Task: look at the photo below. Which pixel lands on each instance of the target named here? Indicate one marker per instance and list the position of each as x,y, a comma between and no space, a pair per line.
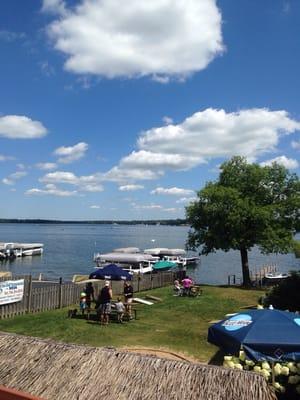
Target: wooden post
139,278
60,294
29,294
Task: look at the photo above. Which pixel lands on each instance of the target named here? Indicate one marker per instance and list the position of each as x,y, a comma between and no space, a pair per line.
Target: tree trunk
245,267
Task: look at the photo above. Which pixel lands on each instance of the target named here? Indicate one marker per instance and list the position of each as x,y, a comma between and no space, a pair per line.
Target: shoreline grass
177,324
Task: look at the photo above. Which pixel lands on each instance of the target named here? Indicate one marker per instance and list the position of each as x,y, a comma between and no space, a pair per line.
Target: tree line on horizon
172,222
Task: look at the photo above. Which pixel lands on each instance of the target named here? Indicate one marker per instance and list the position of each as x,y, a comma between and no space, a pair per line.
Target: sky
124,110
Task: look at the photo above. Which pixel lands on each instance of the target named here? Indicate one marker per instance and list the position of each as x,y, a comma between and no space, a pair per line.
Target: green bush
296,248
286,295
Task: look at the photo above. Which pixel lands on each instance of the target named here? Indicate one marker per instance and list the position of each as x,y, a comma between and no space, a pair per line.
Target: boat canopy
163,251
163,265
130,250
125,258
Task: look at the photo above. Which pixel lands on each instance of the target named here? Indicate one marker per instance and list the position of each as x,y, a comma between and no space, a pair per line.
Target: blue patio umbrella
271,335
111,272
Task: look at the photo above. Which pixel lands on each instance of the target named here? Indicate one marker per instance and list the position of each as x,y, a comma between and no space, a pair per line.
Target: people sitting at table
120,308
187,284
177,288
104,301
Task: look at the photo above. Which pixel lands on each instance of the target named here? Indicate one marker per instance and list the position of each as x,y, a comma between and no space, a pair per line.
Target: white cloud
21,127
72,153
288,163
10,36
12,178
51,190
95,207
128,188
203,136
186,200
174,191
150,160
54,7
215,133
158,38
167,120
6,158
147,207
121,174
296,145
46,166
171,209
89,183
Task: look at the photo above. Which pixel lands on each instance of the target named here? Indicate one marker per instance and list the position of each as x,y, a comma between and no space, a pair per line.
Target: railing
42,296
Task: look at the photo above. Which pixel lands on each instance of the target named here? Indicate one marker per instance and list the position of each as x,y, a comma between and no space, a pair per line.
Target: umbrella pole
273,373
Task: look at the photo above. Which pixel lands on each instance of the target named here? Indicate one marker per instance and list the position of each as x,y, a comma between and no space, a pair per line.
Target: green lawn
177,324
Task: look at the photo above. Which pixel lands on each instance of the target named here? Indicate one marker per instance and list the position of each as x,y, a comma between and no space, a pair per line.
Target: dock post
60,292
29,294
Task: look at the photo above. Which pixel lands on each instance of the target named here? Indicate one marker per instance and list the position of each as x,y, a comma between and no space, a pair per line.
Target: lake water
69,249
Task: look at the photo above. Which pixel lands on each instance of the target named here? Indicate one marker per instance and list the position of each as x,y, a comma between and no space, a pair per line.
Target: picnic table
113,314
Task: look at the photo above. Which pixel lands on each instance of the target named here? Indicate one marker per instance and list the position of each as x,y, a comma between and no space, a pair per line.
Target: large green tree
248,205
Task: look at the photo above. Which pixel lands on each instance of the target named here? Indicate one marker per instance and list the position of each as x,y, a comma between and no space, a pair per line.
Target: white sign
11,291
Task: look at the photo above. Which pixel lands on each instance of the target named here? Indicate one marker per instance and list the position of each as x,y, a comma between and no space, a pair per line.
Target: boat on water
273,278
276,275
174,255
132,262
12,250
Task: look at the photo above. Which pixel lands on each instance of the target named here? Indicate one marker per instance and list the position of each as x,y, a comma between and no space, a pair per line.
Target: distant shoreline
172,222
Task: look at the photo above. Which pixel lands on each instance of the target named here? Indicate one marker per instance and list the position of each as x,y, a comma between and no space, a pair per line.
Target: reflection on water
69,249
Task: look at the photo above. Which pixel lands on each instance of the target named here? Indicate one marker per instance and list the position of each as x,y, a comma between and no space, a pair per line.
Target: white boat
175,255
13,250
132,262
127,250
276,275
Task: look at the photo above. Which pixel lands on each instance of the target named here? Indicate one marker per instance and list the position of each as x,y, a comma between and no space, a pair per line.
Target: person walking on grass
128,296
104,301
120,310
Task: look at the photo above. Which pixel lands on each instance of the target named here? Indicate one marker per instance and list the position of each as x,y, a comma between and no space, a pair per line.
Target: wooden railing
42,296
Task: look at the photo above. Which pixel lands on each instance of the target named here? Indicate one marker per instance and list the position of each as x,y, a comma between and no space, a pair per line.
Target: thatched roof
60,371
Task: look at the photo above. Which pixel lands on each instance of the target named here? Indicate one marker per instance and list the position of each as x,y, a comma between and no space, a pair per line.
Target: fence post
139,278
151,278
60,293
29,294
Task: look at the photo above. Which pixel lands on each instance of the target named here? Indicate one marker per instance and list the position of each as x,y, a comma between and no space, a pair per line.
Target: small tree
248,205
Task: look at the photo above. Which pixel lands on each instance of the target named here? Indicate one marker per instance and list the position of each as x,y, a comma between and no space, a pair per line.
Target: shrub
286,379
286,295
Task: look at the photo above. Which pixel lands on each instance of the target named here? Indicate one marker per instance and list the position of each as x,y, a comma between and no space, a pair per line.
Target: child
120,310
177,288
82,302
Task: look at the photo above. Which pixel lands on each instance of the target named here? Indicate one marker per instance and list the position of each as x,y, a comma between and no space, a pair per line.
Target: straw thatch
54,370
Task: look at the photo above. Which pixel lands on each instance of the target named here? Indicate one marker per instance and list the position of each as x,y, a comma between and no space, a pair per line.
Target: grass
176,324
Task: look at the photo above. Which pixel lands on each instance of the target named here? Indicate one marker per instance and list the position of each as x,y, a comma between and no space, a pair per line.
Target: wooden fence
41,296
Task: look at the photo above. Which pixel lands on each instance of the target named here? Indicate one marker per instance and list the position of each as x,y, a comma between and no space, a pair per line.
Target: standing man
89,290
128,296
104,300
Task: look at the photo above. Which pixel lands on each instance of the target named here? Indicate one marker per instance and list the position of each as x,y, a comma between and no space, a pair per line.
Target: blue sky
113,112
